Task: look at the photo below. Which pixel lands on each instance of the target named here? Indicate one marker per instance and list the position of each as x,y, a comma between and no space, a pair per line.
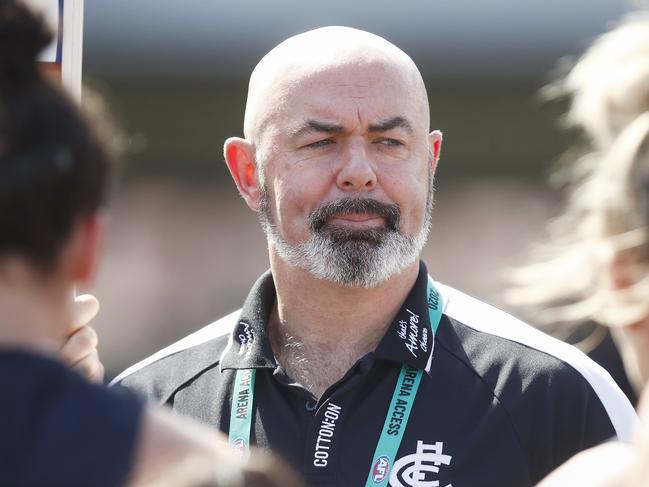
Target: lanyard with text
402,399
241,411
390,440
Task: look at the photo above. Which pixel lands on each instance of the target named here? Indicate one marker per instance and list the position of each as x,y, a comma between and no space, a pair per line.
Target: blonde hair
606,218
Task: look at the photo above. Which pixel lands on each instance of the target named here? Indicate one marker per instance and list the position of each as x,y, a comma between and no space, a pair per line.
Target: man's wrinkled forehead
342,63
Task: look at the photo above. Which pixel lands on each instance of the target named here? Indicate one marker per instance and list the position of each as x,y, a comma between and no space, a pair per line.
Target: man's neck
319,329
33,315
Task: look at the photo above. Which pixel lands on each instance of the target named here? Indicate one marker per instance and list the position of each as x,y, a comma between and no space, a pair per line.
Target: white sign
50,10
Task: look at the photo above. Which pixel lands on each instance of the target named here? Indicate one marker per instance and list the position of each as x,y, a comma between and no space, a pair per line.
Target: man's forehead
350,65
352,77
349,98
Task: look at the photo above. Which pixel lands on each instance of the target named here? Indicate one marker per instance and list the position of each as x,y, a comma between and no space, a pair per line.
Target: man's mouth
357,220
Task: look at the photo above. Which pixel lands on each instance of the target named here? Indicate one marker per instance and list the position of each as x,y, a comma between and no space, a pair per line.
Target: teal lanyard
241,411
403,398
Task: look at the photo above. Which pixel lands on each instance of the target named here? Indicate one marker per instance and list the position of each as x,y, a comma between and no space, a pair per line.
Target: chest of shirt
456,434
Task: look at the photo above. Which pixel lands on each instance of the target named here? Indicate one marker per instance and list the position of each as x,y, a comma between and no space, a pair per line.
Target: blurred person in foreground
564,287
347,359
596,265
56,427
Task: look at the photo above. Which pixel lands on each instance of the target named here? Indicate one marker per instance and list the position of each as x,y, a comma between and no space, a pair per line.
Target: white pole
72,46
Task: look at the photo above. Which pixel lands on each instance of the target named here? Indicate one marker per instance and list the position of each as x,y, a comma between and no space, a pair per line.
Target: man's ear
435,143
81,254
240,159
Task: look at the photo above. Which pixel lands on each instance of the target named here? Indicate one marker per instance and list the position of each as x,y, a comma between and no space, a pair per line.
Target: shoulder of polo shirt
531,374
159,376
514,372
159,381
550,393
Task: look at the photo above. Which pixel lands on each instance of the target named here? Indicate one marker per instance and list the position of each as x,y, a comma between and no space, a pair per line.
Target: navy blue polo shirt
59,430
499,404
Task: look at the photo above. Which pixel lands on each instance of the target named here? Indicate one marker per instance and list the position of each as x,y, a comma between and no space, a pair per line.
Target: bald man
347,358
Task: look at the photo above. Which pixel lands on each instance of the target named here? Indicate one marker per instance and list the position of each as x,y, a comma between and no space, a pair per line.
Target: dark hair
53,162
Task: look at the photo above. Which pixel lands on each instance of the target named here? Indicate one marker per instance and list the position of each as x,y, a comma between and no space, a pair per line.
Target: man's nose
356,172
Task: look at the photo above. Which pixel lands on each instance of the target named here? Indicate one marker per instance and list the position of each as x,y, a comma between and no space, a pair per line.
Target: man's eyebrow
312,126
389,124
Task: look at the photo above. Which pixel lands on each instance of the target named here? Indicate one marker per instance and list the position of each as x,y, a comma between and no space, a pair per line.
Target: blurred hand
80,350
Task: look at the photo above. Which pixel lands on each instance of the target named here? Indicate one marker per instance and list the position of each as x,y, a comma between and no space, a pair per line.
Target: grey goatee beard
351,257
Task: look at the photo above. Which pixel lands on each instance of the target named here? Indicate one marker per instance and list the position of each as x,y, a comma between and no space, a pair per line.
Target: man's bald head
305,56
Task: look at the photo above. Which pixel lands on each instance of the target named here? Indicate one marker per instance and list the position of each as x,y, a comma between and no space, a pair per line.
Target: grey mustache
347,206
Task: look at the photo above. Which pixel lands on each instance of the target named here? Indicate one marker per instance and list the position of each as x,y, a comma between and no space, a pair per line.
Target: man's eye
320,143
390,142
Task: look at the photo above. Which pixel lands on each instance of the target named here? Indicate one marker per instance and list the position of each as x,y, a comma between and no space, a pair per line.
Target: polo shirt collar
249,345
409,338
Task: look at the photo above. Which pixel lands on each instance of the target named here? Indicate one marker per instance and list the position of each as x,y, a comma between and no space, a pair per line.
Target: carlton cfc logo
380,469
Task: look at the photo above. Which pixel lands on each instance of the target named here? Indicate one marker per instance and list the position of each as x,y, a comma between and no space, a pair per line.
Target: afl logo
239,446
380,469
